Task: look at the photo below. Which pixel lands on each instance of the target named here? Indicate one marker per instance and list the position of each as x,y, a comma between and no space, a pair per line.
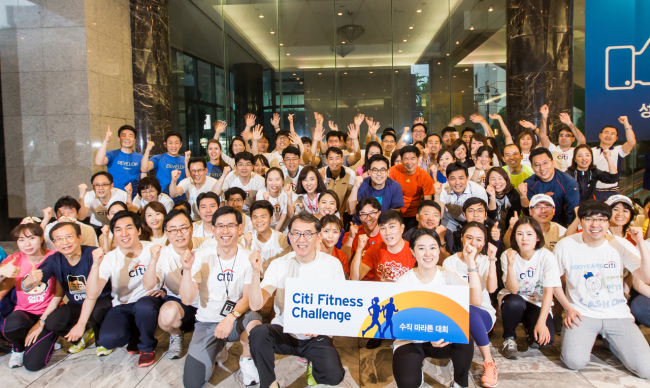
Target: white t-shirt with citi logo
125,274
255,184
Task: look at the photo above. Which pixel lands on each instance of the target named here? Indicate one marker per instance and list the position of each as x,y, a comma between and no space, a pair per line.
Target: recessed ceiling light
340,14
457,42
419,11
288,54
462,91
410,28
297,79
472,28
404,40
294,73
343,42
399,51
345,73
447,54
490,9
261,16
272,32
395,71
494,68
281,44
320,73
466,69
371,72
438,62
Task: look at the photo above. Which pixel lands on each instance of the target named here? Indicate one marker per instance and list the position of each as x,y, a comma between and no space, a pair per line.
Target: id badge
227,307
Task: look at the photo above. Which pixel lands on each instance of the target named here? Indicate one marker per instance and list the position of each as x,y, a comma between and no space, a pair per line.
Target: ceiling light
350,31
471,28
490,9
404,40
345,72
395,71
294,73
272,32
261,16
447,54
410,28
466,69
281,44
340,14
438,62
371,72
494,68
288,54
462,91
343,42
399,51
457,42
320,73
419,11
297,79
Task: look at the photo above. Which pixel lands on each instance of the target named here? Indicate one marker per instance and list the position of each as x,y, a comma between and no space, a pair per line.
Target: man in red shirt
369,210
416,183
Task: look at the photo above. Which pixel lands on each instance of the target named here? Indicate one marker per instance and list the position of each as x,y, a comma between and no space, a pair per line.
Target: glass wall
390,60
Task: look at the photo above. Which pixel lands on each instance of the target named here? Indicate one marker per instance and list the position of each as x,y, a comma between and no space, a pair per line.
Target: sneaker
175,346
81,345
303,360
510,348
16,359
250,376
132,348
490,376
222,357
102,351
310,376
146,359
57,346
532,344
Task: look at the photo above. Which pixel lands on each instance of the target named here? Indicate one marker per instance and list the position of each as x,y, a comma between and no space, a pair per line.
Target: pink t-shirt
34,301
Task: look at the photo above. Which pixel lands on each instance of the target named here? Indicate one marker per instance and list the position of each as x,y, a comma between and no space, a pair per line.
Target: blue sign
617,66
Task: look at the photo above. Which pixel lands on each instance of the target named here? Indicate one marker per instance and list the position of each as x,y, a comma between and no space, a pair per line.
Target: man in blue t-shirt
122,163
165,163
71,266
377,185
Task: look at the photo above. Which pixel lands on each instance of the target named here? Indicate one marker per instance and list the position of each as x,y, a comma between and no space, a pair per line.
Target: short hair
174,213
108,176
264,137
333,194
262,204
173,133
234,191
456,166
224,211
429,136
468,129
592,207
475,224
536,227
390,215
126,214
66,201
320,186
331,219
419,232
305,139
57,226
208,195
185,204
290,150
336,150
609,126
245,155
421,143
485,148
512,145
378,158
420,125
283,132
388,133
429,203
540,151
474,201
232,142
527,133
197,159
117,203
372,201
149,181
407,149
305,217
447,130
567,130
126,128
332,134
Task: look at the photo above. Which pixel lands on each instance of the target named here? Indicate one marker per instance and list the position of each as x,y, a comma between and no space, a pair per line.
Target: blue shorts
189,316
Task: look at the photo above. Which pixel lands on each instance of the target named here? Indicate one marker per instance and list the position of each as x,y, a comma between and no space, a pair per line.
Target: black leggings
407,362
65,317
515,310
15,329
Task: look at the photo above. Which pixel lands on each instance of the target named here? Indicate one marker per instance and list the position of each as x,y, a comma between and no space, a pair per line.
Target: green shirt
516,179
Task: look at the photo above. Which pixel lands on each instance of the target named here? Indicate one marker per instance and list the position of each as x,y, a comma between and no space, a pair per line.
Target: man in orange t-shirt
416,183
390,259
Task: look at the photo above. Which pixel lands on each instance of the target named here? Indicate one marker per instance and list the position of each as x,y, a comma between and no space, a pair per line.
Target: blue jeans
640,306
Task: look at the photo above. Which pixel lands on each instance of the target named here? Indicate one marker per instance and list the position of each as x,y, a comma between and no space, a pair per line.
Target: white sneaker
250,376
16,359
57,346
222,357
175,346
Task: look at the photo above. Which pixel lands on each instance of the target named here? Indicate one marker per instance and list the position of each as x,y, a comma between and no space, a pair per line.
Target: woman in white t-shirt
310,187
408,355
152,227
149,190
530,273
475,234
526,142
282,200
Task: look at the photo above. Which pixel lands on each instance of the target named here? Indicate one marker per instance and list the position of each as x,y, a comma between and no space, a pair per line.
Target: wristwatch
472,270
235,313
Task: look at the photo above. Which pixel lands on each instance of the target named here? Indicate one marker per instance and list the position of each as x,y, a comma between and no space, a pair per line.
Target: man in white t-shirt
542,209
592,264
219,277
608,136
455,192
243,177
292,167
271,243
235,198
266,340
207,203
563,152
97,201
133,319
197,183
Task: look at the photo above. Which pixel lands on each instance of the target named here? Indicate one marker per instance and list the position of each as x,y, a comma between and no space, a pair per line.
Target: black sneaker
510,348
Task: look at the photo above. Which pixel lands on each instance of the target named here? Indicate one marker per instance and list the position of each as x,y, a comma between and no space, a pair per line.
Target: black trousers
268,340
132,322
64,318
515,310
15,329
407,362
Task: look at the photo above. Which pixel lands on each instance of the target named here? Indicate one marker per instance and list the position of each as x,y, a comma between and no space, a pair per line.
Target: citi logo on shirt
137,271
175,166
227,276
128,164
609,264
563,157
527,273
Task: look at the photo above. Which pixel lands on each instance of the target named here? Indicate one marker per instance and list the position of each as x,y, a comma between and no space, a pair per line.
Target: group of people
536,230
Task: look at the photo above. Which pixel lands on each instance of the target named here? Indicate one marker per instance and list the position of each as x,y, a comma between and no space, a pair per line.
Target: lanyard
225,278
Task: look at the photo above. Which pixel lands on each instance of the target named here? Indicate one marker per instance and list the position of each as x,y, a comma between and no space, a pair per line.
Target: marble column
152,87
249,92
539,65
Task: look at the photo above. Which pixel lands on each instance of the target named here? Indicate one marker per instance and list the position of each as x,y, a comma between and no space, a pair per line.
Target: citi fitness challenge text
377,310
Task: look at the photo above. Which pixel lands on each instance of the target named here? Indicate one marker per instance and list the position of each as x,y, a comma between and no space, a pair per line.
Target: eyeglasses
150,191
564,135
244,165
291,160
69,237
543,207
420,132
182,229
236,200
101,185
389,141
297,235
475,211
594,220
378,170
197,171
363,216
223,227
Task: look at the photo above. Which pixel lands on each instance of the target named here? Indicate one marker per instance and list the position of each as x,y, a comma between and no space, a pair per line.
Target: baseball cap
537,198
614,199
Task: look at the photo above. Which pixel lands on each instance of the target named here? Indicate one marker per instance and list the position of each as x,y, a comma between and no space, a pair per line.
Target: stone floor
364,368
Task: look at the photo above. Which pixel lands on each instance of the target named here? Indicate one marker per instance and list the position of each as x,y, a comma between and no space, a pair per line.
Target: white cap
614,199
537,198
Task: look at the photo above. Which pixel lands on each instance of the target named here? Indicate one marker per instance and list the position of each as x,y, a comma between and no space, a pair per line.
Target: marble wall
66,75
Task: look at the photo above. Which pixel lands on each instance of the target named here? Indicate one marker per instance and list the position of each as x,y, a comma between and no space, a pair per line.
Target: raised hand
275,120
219,127
187,260
369,121
495,233
98,256
513,220
607,153
437,187
544,110
494,116
352,131
47,213
250,120
490,191
82,189
266,195
155,252
288,188
623,120
9,270
636,233
353,230
226,170
362,241
150,145
469,252
294,138
491,249
109,135
523,189
527,124
246,134
105,230
358,180
175,175
441,230
333,127
256,262
374,128
358,119
418,120
477,118
511,255
248,239
434,169
129,189
290,117
36,274
406,131
257,132
319,119
318,134
458,120
188,155
566,119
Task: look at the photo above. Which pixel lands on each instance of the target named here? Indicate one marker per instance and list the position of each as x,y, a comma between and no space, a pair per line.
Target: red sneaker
146,359
132,348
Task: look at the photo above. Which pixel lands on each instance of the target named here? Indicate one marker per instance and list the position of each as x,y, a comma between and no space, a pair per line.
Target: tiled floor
364,368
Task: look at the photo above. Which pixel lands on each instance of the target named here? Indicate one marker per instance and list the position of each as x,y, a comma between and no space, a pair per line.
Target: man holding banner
265,340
